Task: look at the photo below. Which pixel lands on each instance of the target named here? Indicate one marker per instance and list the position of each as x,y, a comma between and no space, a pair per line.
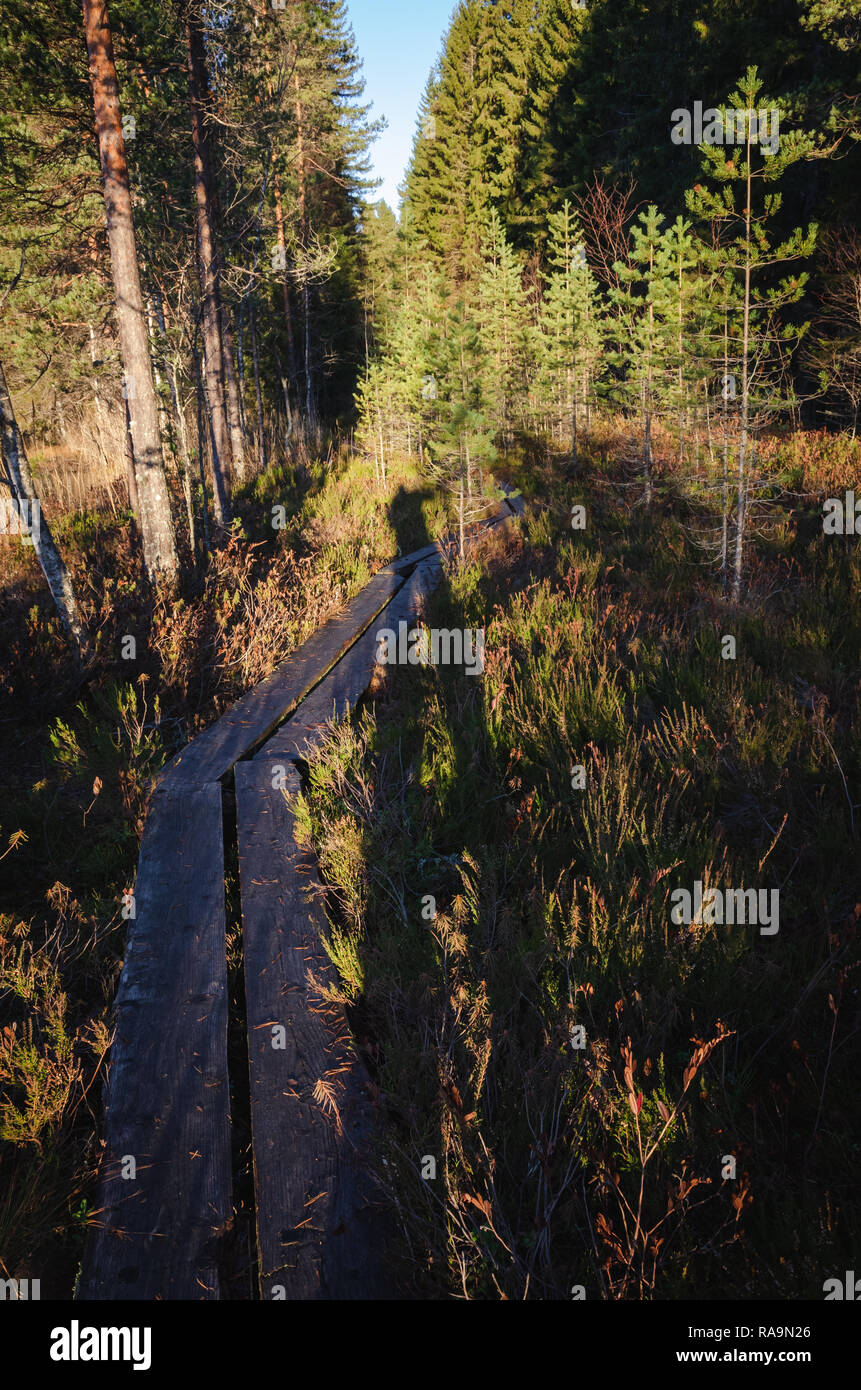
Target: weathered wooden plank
347,682
320,1233
210,756
509,506
168,1101
167,1105
414,558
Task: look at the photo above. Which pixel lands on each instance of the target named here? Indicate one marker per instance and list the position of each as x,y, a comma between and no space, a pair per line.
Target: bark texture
153,509
213,372
20,479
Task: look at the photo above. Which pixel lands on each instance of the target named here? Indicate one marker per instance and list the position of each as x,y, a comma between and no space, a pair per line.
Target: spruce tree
461,426
571,324
645,350
504,327
462,444
464,159
446,190
503,64
540,174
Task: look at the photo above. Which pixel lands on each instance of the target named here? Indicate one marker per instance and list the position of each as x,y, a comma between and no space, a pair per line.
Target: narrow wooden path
165,1200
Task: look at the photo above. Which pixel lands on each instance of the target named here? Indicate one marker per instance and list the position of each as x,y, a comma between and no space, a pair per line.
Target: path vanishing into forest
165,1208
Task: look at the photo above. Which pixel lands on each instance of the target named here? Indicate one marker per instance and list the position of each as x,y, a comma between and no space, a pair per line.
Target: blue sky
398,42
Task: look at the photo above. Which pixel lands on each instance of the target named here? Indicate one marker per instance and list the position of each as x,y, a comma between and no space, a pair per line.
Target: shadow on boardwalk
166,1196
407,517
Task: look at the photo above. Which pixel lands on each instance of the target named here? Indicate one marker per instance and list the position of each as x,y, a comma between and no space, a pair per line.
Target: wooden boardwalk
166,1189
166,1166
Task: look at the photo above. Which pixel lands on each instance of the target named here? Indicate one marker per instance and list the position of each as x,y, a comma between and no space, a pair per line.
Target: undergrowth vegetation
526,1158
578,1067
77,758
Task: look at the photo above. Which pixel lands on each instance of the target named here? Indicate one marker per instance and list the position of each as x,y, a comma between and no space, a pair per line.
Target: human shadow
423,852
408,519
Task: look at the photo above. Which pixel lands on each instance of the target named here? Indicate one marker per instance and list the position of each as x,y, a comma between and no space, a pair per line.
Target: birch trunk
20,480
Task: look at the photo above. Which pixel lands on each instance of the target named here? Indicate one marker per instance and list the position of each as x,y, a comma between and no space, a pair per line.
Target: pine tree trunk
180,427
310,408
258,396
198,86
240,367
285,283
153,507
285,387
131,473
20,479
647,402
201,449
741,495
681,374
647,455
234,412
182,430
177,417
724,552
163,422
100,434
382,450
709,438
574,456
